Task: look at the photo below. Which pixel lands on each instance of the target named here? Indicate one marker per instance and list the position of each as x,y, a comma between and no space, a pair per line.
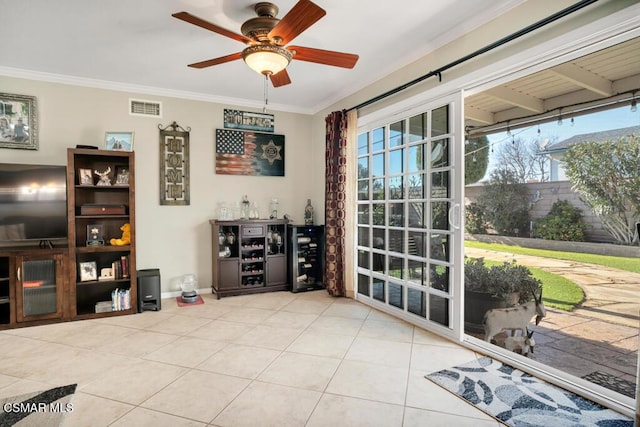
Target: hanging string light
560,117
634,104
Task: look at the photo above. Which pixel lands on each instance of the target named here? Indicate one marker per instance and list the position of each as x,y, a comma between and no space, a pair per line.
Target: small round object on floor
189,299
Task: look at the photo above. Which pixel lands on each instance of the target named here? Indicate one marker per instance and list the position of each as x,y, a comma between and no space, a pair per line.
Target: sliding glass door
409,230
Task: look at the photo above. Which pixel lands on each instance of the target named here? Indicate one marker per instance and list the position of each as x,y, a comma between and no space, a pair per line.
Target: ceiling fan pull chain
266,93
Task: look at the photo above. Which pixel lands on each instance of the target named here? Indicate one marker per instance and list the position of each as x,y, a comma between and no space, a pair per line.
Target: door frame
597,35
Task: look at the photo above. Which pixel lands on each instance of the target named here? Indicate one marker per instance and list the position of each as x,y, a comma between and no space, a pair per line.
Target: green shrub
474,219
563,222
507,203
500,280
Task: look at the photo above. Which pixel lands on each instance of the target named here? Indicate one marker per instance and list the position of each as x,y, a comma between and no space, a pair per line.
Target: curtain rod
558,15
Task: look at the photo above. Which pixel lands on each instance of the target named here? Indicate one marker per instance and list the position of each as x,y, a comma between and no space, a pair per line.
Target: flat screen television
33,202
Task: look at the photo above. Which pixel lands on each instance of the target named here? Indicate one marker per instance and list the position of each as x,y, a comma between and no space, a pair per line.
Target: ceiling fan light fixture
266,59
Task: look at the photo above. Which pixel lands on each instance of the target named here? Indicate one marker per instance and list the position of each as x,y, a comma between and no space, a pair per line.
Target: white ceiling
136,45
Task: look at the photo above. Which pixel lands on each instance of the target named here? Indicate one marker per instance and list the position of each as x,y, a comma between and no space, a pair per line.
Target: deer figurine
521,345
514,318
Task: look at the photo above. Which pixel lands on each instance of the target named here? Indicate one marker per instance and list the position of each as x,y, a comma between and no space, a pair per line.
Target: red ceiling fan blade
187,17
216,61
303,15
280,79
326,57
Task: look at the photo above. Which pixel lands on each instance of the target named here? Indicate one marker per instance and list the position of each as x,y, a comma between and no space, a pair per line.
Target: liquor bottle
246,208
308,213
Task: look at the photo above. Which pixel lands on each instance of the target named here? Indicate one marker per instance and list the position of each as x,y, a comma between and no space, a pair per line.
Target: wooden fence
542,195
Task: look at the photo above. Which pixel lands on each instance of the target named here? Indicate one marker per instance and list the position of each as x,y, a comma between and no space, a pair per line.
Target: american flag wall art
249,153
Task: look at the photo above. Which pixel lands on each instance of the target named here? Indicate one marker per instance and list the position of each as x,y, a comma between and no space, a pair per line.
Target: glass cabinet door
39,291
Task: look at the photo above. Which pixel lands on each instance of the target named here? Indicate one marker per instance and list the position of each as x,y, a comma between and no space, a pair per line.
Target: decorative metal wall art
235,119
174,165
249,153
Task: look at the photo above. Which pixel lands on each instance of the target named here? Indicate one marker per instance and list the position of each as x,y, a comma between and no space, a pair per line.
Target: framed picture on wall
118,141
18,121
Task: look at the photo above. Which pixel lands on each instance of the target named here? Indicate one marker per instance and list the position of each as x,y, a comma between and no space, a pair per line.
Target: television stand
46,244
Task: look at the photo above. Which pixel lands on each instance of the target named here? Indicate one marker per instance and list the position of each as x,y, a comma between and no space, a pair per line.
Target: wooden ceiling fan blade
326,57
216,61
303,15
280,79
192,19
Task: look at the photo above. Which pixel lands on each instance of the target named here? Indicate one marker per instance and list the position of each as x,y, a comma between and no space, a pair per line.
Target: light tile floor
276,359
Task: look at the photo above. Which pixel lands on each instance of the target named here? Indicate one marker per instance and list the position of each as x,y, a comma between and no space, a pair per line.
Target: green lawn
557,291
621,263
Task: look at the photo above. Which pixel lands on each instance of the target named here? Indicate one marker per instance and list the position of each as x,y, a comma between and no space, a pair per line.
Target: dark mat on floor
612,382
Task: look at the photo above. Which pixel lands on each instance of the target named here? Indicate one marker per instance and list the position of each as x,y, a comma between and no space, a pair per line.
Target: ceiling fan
266,37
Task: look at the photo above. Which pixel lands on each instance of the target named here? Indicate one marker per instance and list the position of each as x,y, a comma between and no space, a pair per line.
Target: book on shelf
121,268
124,263
120,299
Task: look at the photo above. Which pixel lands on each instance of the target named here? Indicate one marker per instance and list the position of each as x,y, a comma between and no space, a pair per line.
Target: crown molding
141,89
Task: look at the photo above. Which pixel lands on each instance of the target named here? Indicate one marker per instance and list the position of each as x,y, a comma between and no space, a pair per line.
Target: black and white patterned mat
45,408
518,399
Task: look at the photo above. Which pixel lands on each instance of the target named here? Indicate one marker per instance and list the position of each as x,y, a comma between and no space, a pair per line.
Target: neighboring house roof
605,135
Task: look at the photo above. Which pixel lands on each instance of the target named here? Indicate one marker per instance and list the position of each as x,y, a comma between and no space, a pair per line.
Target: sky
604,120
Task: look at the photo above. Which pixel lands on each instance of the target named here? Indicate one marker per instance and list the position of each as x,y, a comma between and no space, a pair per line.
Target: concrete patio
597,341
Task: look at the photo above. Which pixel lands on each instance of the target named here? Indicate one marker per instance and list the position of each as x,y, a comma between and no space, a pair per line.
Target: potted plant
495,286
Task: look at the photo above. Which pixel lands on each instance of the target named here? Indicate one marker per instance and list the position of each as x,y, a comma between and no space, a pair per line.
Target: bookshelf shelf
105,260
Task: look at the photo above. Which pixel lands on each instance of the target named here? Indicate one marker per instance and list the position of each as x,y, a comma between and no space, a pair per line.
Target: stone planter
476,304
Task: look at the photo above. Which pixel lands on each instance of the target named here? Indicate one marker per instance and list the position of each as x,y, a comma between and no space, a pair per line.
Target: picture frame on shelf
94,235
85,177
88,271
118,141
18,121
122,175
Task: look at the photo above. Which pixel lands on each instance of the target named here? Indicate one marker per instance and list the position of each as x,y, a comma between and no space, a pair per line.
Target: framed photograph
122,175
119,141
85,177
18,121
94,235
88,271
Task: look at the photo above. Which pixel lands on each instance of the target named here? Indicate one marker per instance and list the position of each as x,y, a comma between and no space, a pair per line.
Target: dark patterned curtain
334,205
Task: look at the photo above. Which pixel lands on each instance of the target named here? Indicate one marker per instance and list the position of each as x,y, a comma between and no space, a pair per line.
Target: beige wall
175,239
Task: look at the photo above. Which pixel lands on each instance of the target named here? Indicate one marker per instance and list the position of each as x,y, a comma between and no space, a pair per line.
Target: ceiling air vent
139,107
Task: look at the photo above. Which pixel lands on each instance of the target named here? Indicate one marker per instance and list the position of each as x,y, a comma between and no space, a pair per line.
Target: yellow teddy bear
126,236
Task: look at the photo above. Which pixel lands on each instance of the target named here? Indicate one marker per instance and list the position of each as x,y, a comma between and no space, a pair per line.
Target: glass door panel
412,236
40,284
